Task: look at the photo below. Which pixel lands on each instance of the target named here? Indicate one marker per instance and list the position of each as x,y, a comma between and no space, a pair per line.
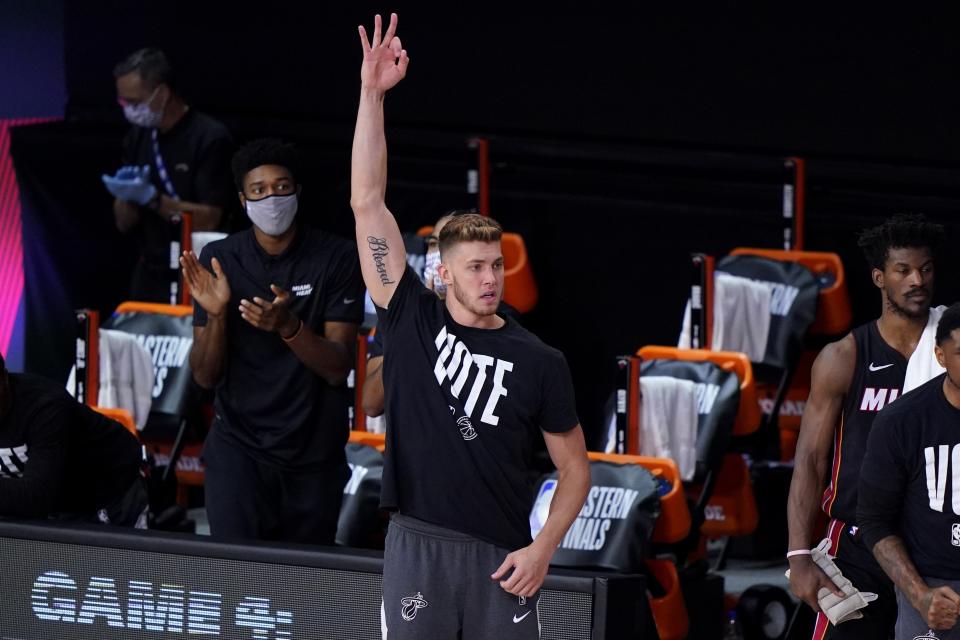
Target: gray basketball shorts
910,624
437,586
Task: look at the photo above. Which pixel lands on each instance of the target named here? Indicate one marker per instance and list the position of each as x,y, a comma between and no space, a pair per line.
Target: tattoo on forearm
380,251
893,558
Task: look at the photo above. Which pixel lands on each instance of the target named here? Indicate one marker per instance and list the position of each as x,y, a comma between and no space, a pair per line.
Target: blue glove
131,184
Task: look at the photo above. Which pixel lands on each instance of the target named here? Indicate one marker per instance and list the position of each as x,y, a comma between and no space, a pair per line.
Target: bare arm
330,356
373,388
382,256
937,606
125,214
530,564
569,454
206,217
209,352
830,380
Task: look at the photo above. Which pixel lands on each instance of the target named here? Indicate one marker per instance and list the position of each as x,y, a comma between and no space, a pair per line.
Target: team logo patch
301,290
466,428
410,606
927,636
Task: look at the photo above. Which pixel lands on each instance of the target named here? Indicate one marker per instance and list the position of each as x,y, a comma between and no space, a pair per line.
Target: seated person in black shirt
61,459
175,159
276,312
909,506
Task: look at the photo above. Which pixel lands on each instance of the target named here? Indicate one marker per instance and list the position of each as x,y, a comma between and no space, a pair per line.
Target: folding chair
671,527
167,331
833,318
720,493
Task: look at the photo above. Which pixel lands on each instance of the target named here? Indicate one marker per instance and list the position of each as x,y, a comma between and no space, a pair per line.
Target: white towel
200,239
669,421
377,424
741,316
126,375
923,365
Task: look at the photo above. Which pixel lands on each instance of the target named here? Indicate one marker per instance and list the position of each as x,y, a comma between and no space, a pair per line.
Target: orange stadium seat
189,466
833,305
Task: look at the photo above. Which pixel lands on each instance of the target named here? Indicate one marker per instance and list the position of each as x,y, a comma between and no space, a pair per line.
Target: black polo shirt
269,401
196,153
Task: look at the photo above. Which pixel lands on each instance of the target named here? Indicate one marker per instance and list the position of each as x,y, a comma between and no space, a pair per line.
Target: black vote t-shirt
196,152
58,456
474,480
268,400
910,479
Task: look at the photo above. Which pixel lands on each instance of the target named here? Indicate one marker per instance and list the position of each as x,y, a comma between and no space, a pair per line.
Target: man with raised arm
466,391
851,381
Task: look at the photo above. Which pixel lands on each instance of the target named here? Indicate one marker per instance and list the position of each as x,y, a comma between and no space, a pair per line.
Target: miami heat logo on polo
457,364
410,605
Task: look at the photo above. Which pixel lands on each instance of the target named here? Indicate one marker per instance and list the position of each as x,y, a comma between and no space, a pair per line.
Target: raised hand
210,290
271,316
384,59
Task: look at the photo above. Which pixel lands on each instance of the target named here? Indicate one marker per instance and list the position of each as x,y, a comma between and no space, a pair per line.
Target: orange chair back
833,306
748,412
673,524
375,440
178,310
669,611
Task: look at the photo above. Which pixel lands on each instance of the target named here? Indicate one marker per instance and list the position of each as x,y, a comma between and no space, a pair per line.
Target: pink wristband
799,552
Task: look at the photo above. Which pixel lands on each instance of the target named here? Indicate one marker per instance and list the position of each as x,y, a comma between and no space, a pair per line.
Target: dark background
621,141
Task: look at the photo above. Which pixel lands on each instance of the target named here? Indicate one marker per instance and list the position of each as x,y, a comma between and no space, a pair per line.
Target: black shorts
858,565
437,586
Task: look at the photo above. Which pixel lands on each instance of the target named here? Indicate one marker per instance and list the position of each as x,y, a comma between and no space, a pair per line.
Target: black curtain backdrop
620,142
869,84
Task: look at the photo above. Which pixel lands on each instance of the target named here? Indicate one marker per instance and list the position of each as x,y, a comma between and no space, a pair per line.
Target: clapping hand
210,290
272,315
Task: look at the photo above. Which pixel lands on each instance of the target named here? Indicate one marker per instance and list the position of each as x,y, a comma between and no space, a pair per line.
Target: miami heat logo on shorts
410,606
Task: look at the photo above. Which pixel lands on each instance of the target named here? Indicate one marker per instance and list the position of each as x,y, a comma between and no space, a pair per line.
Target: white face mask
142,115
431,271
274,214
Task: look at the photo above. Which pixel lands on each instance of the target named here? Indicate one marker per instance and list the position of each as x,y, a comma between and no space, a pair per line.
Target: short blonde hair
469,227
